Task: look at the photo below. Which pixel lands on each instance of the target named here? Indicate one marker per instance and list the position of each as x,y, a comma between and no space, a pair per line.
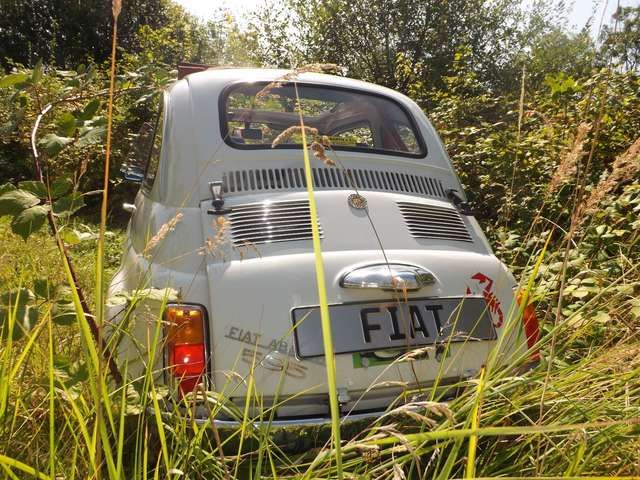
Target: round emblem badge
357,201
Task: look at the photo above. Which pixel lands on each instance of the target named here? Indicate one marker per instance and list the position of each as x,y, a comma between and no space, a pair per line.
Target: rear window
255,114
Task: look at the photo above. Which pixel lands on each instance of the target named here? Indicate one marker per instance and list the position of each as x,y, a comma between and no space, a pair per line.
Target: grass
590,394
577,414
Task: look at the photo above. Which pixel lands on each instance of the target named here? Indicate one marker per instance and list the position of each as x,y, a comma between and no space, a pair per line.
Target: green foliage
622,44
399,43
462,62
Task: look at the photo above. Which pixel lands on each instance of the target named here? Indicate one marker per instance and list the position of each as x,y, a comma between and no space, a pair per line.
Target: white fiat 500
222,218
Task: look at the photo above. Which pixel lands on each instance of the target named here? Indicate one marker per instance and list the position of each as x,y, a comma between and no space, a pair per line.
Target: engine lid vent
331,178
433,222
268,222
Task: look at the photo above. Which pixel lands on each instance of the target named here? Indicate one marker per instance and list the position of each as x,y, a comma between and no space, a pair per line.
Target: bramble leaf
66,125
29,220
68,204
44,288
89,111
63,313
53,144
12,79
17,302
38,70
61,187
15,201
91,135
7,187
39,189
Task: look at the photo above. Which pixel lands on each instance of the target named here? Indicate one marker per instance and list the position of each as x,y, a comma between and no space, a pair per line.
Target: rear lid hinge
217,199
462,206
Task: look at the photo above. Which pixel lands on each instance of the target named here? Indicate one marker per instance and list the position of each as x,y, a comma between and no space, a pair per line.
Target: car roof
217,78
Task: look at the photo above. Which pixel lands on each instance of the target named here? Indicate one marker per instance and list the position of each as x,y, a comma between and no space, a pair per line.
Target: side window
153,158
408,138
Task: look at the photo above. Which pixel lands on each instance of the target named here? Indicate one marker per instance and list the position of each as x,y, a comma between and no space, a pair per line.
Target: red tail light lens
531,327
187,360
186,356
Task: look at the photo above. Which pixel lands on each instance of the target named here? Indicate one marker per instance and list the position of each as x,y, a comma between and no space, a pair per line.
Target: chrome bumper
296,422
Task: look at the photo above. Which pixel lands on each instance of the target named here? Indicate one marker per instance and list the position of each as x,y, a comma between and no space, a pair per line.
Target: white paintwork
255,289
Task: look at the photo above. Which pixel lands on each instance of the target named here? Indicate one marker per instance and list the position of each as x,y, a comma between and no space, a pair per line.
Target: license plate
362,327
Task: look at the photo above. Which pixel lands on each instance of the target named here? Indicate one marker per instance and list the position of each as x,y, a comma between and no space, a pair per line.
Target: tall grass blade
322,299
473,439
15,464
52,397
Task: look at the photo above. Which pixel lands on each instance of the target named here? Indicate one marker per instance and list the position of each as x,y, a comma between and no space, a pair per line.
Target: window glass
153,154
256,114
408,136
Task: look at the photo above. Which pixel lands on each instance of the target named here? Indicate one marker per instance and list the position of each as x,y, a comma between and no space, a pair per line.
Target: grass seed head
625,167
569,164
212,245
328,68
164,230
320,153
291,131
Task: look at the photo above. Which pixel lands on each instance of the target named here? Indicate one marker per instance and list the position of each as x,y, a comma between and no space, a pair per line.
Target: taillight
531,327
186,349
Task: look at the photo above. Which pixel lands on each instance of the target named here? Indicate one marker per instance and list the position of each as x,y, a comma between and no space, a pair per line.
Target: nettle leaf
53,144
63,313
13,79
91,135
39,189
61,187
69,204
29,220
15,201
66,125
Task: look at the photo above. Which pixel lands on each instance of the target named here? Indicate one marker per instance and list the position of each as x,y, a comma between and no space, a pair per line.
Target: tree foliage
622,45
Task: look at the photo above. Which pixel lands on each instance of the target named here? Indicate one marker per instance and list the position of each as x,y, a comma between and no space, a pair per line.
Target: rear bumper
448,389
297,422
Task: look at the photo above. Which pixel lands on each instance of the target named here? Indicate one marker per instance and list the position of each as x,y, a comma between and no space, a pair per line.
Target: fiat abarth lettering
222,220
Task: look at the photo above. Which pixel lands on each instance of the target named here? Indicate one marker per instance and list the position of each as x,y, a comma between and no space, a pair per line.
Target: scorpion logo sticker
492,300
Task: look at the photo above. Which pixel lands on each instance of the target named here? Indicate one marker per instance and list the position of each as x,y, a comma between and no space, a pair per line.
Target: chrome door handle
129,207
393,276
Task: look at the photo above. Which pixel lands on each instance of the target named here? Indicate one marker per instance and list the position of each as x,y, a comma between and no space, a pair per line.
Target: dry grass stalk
211,245
330,68
411,410
417,353
289,132
398,473
165,229
624,168
319,152
569,164
116,7
369,453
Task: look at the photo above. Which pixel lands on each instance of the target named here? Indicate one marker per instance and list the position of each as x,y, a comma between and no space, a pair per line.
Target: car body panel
250,290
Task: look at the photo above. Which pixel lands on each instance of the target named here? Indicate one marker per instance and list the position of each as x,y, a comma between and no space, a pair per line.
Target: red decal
492,300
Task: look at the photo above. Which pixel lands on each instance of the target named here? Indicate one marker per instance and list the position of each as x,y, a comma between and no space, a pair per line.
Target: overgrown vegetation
543,126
